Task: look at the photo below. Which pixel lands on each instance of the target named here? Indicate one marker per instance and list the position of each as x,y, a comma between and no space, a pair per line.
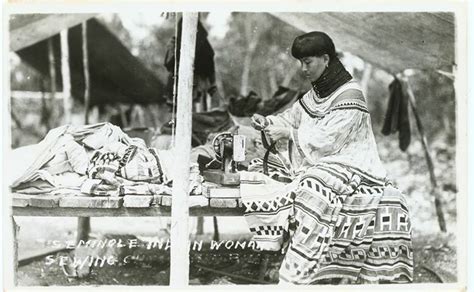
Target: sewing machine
230,150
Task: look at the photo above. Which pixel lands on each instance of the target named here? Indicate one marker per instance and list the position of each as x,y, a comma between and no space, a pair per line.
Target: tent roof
115,74
28,29
393,41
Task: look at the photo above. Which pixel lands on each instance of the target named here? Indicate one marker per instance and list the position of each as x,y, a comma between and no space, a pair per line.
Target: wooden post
52,75
84,223
175,79
66,76
179,266
85,62
429,160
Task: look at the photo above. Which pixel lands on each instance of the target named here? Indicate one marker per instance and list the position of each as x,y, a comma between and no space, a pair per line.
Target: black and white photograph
202,147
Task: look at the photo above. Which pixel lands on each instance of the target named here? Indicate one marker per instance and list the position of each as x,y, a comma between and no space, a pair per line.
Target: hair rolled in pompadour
313,44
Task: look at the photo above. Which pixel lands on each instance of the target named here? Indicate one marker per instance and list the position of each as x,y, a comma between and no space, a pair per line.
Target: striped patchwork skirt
332,222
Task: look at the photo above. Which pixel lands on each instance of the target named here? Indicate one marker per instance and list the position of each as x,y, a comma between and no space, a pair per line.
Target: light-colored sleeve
289,118
320,138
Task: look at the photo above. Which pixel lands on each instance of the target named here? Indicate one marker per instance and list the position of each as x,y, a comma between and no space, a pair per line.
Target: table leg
16,229
200,226
216,229
83,228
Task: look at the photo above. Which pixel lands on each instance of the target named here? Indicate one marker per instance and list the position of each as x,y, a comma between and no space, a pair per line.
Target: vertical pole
179,270
85,62
429,159
66,76
175,80
52,75
83,223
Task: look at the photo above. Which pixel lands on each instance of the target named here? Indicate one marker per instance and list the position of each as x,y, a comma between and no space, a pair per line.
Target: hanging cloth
396,116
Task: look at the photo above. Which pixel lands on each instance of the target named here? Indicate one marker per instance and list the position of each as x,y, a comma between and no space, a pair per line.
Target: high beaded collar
332,78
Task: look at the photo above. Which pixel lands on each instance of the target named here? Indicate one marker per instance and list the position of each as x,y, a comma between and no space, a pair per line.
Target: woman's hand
259,122
276,133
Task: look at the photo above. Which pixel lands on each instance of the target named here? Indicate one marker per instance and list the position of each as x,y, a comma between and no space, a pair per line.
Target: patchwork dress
344,218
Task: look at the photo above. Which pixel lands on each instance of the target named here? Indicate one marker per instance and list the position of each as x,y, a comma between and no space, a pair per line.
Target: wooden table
73,205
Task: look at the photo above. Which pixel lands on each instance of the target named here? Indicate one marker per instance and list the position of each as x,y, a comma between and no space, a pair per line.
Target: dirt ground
435,257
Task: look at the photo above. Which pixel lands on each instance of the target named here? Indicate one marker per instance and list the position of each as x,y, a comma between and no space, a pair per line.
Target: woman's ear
326,59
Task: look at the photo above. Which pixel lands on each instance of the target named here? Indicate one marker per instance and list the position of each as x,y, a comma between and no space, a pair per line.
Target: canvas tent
392,41
115,74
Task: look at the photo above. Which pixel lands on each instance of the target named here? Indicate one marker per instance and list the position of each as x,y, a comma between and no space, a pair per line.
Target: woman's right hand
259,122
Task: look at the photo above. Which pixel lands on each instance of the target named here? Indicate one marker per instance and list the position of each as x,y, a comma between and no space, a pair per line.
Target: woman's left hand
276,133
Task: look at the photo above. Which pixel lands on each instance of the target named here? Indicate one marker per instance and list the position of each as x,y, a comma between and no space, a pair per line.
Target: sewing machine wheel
217,143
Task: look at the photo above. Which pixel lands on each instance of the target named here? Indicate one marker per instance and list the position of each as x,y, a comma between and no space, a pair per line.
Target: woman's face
313,67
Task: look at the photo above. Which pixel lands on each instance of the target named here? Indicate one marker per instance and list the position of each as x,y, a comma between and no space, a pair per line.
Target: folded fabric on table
66,149
98,187
107,157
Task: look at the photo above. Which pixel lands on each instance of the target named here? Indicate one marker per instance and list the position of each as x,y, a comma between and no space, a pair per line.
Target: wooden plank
20,200
165,200
90,202
136,201
194,201
214,191
239,203
198,201
121,212
223,203
44,201
156,200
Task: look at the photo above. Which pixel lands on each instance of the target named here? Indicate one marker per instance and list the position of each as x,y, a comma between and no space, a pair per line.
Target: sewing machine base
219,177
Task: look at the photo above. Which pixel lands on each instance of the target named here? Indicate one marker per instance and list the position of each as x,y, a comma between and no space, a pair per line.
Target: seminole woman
346,218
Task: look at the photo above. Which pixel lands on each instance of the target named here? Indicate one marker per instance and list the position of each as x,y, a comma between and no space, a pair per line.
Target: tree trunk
179,261
252,45
85,62
52,75
364,83
45,108
66,76
289,76
272,82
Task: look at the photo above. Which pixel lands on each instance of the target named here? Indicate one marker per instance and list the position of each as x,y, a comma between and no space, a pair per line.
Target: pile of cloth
98,160
246,106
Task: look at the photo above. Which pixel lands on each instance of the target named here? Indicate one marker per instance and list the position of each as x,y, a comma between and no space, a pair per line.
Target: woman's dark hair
313,44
